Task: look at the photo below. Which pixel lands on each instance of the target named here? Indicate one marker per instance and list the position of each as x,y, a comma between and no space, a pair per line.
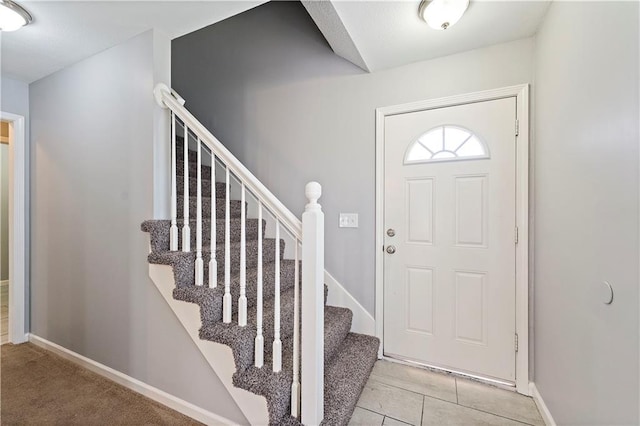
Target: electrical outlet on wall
348,220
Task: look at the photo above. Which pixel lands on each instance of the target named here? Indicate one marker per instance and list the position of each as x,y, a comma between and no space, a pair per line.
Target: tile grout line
456,381
397,420
417,393
496,415
371,411
422,412
384,416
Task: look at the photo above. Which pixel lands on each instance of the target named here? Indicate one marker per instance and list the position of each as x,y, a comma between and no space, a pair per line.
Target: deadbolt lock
391,232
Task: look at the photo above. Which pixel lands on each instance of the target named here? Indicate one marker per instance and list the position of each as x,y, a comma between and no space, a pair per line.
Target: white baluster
199,272
295,386
186,231
173,231
313,308
259,343
213,263
277,344
242,301
226,300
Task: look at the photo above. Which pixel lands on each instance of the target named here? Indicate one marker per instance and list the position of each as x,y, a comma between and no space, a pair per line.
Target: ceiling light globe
12,16
442,14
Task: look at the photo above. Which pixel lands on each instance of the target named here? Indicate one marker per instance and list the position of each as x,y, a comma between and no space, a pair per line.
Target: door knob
391,232
391,249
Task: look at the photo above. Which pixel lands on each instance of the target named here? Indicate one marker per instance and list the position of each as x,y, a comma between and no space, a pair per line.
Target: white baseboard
542,407
135,385
363,322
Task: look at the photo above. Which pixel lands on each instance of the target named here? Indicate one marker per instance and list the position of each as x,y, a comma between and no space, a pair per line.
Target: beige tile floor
399,395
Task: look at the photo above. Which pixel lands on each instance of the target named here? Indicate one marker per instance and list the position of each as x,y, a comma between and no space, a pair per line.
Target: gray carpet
349,357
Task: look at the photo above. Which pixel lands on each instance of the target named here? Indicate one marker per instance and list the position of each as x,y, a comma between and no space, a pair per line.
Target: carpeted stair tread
277,387
206,187
184,262
193,169
346,376
210,302
243,343
184,266
235,207
159,230
235,231
210,299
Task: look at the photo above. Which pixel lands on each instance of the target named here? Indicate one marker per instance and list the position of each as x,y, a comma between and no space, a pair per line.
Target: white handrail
282,213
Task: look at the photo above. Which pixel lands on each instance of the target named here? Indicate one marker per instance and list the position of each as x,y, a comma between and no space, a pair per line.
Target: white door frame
521,93
17,227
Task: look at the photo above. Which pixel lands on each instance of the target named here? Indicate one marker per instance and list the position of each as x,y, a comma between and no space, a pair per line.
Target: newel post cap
313,191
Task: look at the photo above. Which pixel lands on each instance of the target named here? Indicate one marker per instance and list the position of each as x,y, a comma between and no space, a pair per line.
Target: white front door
450,216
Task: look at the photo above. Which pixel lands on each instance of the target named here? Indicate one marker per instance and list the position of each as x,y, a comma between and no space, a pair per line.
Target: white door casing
18,307
455,293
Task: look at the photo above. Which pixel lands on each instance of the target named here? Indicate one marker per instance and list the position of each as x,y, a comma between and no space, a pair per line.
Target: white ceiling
372,34
389,33
65,32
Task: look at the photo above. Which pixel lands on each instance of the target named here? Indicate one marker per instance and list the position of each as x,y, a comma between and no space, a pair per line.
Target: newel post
312,380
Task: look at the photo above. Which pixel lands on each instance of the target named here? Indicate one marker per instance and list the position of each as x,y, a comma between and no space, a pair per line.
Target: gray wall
92,179
14,98
586,209
269,87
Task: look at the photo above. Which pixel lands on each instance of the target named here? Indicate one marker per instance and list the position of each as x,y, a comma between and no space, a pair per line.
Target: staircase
265,295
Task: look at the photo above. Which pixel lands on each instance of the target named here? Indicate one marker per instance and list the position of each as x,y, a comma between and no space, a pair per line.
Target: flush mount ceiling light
13,16
442,14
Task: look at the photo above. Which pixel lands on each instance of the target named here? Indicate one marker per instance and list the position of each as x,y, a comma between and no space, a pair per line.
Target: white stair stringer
219,356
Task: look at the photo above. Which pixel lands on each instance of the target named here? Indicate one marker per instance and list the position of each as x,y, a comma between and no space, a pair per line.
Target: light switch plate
348,220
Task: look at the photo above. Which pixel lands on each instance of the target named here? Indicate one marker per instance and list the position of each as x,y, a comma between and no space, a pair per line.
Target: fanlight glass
446,143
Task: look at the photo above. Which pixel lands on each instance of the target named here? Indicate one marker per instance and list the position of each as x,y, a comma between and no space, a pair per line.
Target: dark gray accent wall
92,135
266,83
586,209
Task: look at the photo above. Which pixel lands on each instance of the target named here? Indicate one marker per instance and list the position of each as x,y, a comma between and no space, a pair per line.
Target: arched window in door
446,143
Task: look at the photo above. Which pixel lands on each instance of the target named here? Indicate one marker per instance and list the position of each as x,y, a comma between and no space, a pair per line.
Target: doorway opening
4,231
13,252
